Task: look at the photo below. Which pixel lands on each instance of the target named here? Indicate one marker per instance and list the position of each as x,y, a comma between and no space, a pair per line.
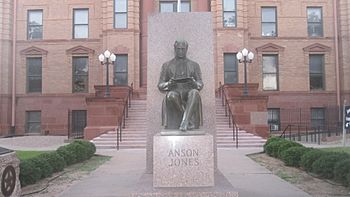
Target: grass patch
29,154
337,149
285,176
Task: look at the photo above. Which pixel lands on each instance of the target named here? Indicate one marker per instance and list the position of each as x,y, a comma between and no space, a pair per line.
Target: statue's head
180,48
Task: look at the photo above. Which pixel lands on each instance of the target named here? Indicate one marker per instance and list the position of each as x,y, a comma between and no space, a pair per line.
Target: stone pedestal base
250,112
103,115
222,188
183,161
9,175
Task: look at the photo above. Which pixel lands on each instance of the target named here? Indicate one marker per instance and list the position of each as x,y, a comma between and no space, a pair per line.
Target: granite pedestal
9,174
183,161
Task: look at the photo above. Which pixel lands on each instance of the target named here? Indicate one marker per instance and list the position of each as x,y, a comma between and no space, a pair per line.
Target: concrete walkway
120,175
33,142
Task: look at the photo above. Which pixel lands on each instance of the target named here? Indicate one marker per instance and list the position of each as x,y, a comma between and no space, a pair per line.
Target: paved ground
33,142
120,175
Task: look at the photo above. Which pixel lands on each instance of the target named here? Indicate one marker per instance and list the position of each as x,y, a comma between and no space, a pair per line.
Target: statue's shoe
183,126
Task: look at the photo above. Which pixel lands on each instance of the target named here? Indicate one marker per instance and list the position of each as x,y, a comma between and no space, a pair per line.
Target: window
78,122
33,122
230,68
314,22
34,74
270,72
80,74
121,70
81,23
35,24
229,13
274,119
317,118
120,14
268,21
316,72
171,6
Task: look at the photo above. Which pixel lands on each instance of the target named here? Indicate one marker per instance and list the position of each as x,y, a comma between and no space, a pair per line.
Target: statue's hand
170,83
197,84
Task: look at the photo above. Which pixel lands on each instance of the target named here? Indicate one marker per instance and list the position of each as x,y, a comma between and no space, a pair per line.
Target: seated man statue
181,79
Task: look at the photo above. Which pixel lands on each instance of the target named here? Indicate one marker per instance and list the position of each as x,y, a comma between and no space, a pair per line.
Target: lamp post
245,57
107,58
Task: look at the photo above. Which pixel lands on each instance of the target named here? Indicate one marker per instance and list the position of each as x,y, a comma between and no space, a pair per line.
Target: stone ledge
222,188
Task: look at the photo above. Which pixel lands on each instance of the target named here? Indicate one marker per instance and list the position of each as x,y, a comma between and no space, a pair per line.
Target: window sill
269,37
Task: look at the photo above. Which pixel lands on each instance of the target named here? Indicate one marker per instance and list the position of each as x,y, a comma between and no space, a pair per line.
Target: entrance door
78,123
33,122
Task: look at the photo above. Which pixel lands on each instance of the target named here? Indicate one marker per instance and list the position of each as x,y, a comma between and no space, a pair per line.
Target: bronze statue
181,79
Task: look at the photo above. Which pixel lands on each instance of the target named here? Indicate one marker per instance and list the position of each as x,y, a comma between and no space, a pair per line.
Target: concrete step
239,146
134,134
124,138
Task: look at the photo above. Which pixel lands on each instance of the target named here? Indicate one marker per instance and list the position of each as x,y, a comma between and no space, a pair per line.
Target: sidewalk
120,175
33,142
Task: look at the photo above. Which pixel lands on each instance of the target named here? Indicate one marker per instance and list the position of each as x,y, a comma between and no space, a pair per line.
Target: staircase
224,133
134,133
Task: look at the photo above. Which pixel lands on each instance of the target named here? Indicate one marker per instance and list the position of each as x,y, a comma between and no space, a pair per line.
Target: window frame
42,23
317,74
28,123
271,122
34,76
232,11
115,70
270,73
174,5
276,22
321,23
234,70
88,20
115,13
86,90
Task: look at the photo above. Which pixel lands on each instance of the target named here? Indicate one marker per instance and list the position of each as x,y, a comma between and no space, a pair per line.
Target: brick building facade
53,54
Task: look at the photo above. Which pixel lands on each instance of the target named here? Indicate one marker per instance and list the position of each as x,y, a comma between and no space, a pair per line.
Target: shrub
284,145
67,155
29,173
292,156
42,166
55,161
272,148
91,148
341,170
270,140
45,168
80,152
324,166
309,158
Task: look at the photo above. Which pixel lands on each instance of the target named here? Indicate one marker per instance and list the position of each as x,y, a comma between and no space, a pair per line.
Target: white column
178,5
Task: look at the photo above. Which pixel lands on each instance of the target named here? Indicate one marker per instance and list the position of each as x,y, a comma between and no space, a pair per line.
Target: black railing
125,114
308,133
228,112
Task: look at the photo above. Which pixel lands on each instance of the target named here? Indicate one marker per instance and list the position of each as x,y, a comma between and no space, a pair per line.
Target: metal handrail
284,131
228,112
312,134
125,114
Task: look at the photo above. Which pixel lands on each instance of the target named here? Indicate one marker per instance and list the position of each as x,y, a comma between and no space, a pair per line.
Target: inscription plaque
183,161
